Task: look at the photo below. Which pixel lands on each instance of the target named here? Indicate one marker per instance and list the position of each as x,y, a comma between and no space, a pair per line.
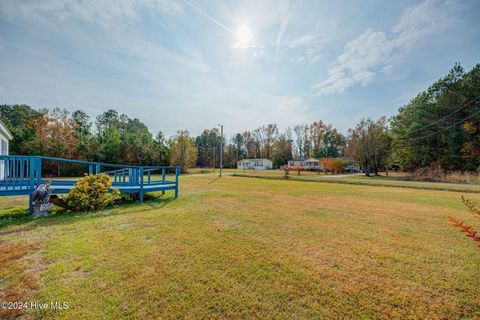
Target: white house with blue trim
5,137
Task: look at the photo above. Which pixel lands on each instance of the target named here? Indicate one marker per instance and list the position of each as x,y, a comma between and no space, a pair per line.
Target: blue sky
193,64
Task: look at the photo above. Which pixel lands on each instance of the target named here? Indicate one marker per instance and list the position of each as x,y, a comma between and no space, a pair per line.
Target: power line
441,130
445,117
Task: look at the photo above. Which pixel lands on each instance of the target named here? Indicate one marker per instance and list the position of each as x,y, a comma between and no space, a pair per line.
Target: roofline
5,130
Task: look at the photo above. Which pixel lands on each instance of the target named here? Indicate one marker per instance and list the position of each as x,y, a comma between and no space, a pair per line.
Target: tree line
313,140
116,138
441,126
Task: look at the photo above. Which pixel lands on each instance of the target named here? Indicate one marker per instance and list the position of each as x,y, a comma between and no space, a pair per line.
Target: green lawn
247,248
392,180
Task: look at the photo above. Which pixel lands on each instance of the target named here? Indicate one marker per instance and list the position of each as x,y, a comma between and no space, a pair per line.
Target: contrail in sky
208,16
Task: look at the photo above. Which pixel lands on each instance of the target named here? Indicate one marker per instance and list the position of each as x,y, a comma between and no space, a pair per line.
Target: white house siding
295,163
309,164
255,164
3,151
5,137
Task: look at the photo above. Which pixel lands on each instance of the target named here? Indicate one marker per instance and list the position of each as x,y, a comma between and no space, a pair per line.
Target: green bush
92,193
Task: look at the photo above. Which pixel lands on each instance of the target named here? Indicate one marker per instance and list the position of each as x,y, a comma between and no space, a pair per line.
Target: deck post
97,169
30,203
163,180
38,171
177,169
90,169
141,184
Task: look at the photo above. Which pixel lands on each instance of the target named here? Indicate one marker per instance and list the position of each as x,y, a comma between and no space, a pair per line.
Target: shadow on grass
61,216
15,217
214,180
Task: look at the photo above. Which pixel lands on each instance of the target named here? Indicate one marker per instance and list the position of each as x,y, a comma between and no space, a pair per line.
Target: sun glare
244,35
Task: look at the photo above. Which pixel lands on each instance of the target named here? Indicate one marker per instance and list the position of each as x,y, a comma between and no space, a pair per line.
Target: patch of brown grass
18,280
437,174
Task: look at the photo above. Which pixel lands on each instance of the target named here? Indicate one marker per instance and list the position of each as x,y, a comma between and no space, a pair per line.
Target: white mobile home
255,164
5,137
309,164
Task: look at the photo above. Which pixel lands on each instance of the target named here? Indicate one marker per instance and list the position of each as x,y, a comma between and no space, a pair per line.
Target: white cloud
283,16
107,13
375,52
283,10
306,48
302,41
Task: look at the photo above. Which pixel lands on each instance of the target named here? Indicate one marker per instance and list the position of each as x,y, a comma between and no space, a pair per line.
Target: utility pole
213,156
221,148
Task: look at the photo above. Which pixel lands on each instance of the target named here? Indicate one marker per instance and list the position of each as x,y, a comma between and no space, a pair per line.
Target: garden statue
41,200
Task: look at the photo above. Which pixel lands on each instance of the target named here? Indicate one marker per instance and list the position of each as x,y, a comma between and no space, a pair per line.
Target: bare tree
270,134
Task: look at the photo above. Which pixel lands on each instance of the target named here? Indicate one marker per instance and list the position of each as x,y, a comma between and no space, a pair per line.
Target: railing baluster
14,174
21,173
7,173
140,172
32,173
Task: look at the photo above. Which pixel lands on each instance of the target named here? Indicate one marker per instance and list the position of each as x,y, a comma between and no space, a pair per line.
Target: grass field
247,248
392,180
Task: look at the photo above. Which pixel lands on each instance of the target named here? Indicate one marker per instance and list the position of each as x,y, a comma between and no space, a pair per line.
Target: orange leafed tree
332,165
55,134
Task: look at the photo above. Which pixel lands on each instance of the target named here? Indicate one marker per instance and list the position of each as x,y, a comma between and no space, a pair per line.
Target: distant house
5,137
255,164
352,168
308,164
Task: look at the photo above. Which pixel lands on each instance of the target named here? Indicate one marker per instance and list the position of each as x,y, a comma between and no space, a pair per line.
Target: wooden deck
21,175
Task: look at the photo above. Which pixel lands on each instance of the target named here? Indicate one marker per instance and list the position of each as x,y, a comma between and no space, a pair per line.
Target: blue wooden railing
22,174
